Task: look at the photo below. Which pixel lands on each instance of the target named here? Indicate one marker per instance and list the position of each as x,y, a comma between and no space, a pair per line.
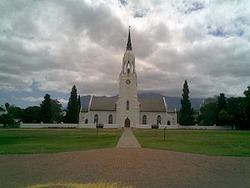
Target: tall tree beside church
79,105
56,109
247,107
73,107
208,113
223,116
222,101
46,109
32,114
186,111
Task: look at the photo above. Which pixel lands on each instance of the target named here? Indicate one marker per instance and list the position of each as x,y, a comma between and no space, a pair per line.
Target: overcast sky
48,46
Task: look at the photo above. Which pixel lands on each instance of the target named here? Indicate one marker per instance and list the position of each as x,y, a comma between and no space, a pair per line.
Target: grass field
31,141
224,143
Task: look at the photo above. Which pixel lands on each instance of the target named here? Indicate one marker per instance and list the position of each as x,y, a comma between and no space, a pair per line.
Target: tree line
219,110
49,111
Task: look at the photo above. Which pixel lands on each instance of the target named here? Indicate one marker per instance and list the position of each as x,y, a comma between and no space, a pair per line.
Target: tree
208,112
7,105
7,120
56,110
72,115
15,111
247,106
222,110
186,112
235,108
32,114
46,110
225,118
222,101
79,106
13,116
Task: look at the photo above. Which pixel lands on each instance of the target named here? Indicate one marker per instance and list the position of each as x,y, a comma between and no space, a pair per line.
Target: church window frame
127,105
96,118
158,120
144,119
86,121
110,119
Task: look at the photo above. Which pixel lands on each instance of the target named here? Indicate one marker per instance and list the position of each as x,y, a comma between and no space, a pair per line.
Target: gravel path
135,167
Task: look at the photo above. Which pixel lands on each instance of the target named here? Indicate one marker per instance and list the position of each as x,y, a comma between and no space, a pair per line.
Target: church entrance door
127,123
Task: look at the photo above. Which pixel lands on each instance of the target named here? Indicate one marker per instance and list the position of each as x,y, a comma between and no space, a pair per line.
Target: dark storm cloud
139,13
124,2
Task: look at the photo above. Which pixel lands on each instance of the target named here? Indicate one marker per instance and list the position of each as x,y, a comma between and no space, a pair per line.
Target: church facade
127,109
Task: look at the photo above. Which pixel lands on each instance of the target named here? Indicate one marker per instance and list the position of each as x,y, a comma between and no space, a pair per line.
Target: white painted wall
152,118
102,117
173,114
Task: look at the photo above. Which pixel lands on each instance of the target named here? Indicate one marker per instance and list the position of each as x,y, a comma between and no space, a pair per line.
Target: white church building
127,109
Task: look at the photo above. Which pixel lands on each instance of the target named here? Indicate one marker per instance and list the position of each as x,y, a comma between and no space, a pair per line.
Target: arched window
168,123
128,67
110,119
158,120
96,118
144,119
86,121
127,105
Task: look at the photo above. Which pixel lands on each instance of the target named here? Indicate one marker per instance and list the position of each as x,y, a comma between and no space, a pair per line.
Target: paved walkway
131,167
128,140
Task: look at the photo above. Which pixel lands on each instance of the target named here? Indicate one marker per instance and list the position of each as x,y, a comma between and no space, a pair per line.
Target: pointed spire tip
129,43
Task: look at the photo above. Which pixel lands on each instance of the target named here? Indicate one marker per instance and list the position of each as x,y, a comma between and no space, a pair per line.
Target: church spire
129,44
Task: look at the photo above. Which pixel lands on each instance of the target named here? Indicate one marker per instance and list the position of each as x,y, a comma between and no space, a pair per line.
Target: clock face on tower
128,81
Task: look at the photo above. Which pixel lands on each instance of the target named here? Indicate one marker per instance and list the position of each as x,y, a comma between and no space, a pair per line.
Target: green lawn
31,141
224,143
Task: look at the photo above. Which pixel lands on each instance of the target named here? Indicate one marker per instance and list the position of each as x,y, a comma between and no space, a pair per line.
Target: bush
8,121
155,126
99,126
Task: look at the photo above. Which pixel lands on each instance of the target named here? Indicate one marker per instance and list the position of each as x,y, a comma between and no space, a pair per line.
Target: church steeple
129,43
128,65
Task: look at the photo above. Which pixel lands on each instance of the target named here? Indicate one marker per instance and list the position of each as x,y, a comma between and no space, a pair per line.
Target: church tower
127,103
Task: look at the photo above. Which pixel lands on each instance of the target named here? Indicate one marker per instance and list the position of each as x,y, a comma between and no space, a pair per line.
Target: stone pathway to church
128,140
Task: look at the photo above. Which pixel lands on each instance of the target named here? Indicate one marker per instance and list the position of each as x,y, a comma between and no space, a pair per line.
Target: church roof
152,105
103,104
109,104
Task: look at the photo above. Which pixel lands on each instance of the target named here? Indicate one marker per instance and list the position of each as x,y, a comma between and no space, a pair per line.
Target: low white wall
143,126
215,127
114,126
110,126
87,126
47,125
64,125
31,126
169,126
186,127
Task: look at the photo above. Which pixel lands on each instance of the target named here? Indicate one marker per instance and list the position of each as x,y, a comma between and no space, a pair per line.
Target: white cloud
32,99
57,44
63,101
